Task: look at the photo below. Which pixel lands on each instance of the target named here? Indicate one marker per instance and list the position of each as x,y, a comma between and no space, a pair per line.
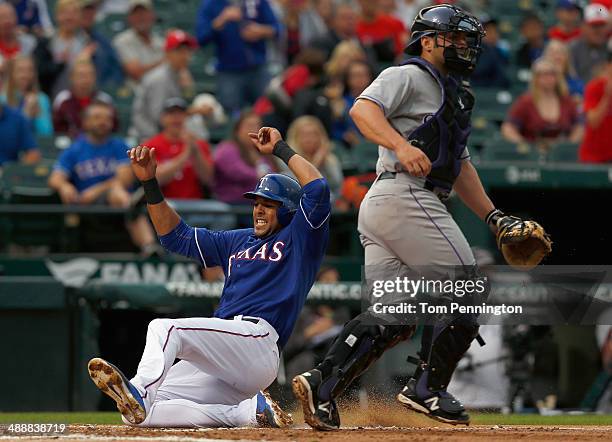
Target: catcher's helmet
281,188
442,19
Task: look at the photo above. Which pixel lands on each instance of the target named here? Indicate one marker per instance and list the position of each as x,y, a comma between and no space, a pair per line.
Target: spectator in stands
18,142
532,30
205,113
240,31
33,16
589,51
597,144
96,169
104,57
293,20
358,76
238,165
276,107
69,104
493,61
546,114
55,56
170,79
558,52
407,10
309,139
23,93
383,34
322,97
344,54
185,168
343,27
140,49
12,40
184,162
316,20
568,14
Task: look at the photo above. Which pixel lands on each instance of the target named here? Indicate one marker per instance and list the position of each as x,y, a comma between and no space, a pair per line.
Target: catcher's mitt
524,243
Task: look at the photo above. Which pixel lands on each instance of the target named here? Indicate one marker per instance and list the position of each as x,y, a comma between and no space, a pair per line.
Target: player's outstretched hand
414,160
265,139
143,162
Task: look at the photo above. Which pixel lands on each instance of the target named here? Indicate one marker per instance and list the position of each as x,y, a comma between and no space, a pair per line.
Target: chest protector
444,134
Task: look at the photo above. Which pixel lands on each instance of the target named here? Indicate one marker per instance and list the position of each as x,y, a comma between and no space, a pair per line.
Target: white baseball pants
223,365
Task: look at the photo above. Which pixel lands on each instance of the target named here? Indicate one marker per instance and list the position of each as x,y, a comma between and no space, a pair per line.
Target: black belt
440,193
256,321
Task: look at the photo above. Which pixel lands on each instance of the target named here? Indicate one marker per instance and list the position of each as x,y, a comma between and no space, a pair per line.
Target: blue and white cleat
114,384
269,414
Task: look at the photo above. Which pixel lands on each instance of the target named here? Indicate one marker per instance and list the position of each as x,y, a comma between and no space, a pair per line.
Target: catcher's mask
281,188
440,21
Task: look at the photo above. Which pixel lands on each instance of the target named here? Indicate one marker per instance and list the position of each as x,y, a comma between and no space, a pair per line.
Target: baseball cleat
442,407
269,414
322,416
114,384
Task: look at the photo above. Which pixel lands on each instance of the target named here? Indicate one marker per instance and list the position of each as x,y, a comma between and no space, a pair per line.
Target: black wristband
283,151
493,216
153,194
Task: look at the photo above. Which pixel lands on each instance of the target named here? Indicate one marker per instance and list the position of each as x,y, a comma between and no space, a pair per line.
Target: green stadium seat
27,184
499,149
346,159
565,152
365,156
492,104
48,147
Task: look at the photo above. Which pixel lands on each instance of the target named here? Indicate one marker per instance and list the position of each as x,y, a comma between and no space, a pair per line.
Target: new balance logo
432,403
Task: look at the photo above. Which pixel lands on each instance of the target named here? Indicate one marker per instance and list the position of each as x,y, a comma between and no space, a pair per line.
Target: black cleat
442,406
322,416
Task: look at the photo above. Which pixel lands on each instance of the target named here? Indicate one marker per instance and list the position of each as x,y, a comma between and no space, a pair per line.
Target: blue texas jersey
265,277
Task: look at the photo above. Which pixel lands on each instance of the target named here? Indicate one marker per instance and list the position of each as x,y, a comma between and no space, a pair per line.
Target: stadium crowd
194,93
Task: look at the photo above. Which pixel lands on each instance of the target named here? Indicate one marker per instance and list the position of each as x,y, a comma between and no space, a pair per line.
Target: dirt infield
380,423
367,434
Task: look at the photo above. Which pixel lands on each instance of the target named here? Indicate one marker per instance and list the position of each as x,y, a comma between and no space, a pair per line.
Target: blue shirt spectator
235,51
239,31
105,59
28,15
87,164
491,68
16,136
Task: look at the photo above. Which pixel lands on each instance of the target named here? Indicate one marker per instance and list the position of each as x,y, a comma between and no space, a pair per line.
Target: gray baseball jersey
401,223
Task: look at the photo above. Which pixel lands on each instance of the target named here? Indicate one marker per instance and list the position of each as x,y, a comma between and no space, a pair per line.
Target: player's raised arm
144,166
315,203
269,141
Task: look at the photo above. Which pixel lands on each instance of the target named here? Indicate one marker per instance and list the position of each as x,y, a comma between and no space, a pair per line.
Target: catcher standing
419,114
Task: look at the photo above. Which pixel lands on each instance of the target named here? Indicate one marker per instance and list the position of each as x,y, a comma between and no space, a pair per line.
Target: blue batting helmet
281,188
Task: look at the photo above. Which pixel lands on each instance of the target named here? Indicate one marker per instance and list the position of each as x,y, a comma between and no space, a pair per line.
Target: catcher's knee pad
443,346
354,350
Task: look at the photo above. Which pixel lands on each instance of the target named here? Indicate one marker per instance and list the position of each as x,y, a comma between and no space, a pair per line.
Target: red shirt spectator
596,145
556,33
185,163
567,28
525,115
185,184
69,104
547,113
385,33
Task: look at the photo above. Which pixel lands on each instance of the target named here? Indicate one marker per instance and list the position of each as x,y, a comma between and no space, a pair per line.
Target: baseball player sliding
419,115
225,361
